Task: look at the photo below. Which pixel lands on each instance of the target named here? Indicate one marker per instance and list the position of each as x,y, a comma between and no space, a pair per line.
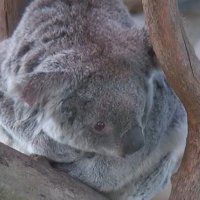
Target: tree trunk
182,68
10,13
186,183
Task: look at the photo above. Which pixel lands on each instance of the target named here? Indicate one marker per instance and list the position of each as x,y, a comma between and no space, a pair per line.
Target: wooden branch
182,68
174,52
23,178
10,12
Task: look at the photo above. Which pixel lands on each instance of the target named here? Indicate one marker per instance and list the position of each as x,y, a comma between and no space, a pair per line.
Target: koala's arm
46,146
19,130
27,138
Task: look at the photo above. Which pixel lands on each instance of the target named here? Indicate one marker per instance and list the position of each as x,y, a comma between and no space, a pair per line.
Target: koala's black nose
132,141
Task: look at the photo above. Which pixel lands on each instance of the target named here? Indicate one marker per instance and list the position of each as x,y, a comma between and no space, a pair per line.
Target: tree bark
25,178
182,68
10,13
186,183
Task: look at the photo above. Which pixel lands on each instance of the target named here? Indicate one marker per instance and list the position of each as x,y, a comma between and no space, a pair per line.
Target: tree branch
182,68
174,52
23,178
10,13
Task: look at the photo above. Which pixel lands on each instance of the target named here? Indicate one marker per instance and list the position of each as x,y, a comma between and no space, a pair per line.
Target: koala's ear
43,87
55,77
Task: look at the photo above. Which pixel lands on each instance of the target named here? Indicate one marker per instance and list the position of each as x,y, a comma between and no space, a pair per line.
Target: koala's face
103,116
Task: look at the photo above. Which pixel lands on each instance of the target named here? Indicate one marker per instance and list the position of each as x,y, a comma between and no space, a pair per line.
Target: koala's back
45,28
97,28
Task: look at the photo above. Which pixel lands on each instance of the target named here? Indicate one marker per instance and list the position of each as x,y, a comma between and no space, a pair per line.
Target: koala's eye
99,126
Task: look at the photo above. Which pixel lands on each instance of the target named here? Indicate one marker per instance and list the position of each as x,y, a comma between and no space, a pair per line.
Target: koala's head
103,113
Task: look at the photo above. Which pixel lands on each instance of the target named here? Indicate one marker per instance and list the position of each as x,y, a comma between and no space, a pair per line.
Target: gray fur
72,63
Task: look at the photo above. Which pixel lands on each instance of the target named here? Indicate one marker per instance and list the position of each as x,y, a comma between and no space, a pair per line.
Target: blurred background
190,10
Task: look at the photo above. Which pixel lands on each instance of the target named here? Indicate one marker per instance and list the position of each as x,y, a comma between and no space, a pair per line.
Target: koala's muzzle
132,141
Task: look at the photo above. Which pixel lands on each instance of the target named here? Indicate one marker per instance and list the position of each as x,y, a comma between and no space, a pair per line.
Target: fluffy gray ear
44,86
58,75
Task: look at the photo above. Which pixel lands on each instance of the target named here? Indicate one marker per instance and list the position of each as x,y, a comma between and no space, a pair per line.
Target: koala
81,86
